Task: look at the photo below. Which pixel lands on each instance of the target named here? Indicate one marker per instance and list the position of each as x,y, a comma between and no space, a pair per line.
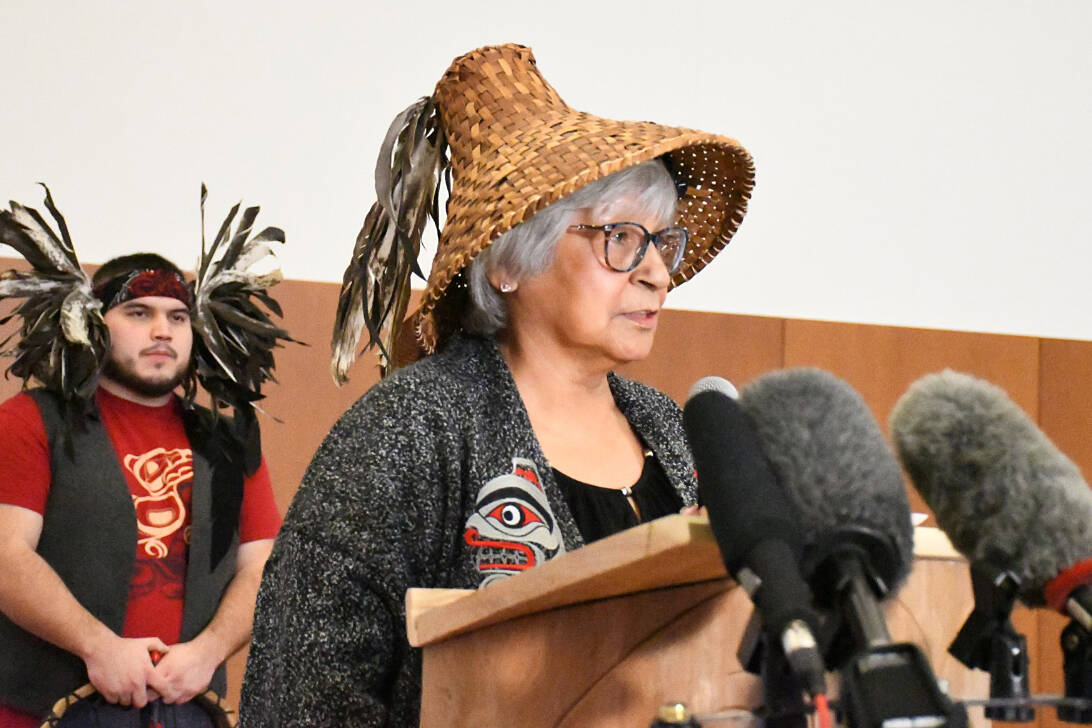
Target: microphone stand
988,641
883,683
782,691
1077,657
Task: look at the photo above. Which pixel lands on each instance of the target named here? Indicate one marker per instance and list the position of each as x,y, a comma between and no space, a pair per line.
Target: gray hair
528,249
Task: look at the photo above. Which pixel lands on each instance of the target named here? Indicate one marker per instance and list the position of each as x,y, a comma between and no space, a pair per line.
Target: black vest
89,535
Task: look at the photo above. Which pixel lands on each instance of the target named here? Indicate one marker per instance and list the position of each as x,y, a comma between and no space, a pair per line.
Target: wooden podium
606,634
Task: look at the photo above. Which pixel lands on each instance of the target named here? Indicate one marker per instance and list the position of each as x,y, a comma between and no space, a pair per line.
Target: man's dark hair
125,264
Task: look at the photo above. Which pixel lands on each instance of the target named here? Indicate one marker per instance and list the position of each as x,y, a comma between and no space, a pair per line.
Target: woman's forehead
626,208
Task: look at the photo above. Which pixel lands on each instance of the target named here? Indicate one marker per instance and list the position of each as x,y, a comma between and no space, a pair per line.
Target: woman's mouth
644,317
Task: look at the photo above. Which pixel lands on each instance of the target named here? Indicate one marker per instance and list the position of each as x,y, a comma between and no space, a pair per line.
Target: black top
600,512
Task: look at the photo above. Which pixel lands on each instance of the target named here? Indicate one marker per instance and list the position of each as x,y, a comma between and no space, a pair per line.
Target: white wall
924,163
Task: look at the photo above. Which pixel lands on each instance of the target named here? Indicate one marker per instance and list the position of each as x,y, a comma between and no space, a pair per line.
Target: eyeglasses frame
650,238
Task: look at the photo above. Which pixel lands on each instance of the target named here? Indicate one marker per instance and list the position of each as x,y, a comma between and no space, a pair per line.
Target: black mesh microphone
753,522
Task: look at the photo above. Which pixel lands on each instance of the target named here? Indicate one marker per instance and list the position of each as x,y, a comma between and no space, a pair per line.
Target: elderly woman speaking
511,441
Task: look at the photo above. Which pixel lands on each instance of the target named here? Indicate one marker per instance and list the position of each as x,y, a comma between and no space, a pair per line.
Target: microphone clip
988,641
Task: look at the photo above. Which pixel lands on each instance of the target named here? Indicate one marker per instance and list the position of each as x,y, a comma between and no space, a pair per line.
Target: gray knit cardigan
433,478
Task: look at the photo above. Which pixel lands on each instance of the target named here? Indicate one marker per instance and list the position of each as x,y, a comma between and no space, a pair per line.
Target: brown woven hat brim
516,148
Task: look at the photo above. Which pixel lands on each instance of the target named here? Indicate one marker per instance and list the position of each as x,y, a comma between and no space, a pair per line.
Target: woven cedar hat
515,148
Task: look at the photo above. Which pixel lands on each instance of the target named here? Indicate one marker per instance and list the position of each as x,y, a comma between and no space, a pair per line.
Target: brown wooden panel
1065,407
692,344
881,362
305,399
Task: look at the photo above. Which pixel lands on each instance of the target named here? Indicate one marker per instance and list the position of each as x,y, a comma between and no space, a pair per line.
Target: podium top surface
669,551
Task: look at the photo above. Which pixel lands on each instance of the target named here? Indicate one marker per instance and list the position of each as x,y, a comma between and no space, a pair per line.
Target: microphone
753,523
830,455
1001,490
1013,504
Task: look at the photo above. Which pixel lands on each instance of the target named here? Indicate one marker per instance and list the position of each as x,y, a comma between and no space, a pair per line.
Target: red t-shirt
151,445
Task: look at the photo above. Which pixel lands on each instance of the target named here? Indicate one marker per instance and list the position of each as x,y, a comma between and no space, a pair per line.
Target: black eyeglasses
625,244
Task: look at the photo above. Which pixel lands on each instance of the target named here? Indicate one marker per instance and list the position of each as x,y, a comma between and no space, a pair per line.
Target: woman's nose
652,270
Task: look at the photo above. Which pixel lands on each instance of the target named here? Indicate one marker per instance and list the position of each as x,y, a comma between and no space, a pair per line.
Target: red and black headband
144,282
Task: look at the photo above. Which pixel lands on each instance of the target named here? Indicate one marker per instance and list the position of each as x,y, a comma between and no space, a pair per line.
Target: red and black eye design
512,527
514,515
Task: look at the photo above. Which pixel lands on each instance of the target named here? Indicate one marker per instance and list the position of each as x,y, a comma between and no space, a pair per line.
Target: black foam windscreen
750,514
735,482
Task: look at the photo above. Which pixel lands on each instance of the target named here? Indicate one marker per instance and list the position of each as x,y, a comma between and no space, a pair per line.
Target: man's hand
186,670
121,669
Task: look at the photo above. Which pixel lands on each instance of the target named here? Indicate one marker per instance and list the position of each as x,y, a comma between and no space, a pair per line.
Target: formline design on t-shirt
163,474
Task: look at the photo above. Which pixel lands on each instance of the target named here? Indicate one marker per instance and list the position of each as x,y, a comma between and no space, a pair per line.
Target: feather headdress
62,338
234,336
509,146
64,341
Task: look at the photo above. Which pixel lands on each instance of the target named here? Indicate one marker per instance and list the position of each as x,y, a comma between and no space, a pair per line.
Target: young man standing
132,539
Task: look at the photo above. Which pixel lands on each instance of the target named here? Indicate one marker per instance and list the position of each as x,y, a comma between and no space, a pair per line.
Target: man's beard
125,376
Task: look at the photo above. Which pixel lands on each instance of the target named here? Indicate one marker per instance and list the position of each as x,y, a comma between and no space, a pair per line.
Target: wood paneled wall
1050,379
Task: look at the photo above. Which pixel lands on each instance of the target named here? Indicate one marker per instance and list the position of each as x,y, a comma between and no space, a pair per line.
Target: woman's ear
501,280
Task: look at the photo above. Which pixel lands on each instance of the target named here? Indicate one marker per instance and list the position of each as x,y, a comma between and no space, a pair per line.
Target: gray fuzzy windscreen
1000,489
831,457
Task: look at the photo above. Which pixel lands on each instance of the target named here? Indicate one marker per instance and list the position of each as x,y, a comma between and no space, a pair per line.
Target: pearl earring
507,287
